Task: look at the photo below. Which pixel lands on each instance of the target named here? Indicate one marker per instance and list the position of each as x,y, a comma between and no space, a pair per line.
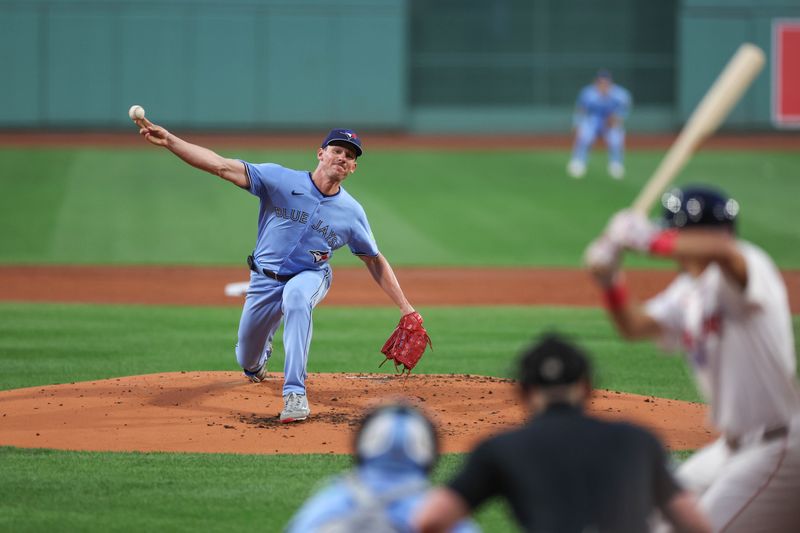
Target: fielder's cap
699,205
551,361
397,436
604,74
348,136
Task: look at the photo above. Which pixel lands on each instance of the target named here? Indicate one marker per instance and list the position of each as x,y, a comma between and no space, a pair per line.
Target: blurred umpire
564,471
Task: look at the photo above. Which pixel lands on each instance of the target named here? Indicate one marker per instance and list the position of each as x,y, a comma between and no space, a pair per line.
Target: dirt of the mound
222,412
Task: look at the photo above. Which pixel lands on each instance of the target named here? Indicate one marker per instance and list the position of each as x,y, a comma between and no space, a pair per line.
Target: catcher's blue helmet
397,436
699,205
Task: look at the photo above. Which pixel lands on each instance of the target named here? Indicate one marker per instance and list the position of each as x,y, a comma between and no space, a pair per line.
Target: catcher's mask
397,436
699,206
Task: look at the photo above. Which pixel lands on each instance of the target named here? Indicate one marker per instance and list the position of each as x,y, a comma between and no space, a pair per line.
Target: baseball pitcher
303,218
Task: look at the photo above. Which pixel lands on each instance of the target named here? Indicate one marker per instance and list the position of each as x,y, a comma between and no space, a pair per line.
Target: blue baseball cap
604,74
699,205
348,136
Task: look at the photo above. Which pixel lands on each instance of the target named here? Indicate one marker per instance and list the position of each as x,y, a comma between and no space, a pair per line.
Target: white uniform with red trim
741,346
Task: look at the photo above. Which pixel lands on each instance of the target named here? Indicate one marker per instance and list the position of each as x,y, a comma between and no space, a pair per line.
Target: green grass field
142,206
426,208
47,343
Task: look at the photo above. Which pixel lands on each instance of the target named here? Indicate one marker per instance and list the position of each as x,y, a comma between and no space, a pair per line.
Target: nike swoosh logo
295,193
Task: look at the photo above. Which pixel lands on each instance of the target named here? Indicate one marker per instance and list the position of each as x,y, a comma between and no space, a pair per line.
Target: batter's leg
301,294
698,473
759,490
261,316
700,470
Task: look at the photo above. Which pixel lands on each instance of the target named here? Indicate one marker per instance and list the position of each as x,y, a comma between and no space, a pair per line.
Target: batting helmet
397,436
693,206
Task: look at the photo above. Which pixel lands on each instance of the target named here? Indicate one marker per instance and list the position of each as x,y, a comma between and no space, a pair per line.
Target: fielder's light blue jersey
595,104
337,500
298,226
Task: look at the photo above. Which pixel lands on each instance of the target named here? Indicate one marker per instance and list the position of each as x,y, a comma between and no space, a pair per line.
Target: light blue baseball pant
268,301
589,129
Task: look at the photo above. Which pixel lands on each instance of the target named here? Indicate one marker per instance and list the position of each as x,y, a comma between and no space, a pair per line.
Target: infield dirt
220,412
352,286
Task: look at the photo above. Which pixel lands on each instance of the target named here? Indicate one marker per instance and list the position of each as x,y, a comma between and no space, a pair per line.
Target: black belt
251,262
771,434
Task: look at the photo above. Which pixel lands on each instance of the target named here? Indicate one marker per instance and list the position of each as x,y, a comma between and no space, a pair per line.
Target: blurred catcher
395,450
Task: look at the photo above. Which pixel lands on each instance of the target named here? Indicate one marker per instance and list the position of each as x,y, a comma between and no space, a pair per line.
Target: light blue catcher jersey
616,102
337,500
298,226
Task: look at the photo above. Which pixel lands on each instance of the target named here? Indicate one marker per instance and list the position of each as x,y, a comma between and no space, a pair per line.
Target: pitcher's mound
220,412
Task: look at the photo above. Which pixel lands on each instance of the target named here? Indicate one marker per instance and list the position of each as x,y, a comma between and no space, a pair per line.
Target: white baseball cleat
258,376
616,170
576,168
295,408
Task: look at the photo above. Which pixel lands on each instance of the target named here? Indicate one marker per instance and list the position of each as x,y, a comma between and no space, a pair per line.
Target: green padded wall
710,32
20,46
235,64
517,65
416,65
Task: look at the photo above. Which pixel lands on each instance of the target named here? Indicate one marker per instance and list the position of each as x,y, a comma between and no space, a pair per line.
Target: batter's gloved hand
602,258
631,231
407,343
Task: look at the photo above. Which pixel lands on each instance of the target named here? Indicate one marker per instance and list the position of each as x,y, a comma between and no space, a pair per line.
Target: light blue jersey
600,115
299,227
599,107
338,500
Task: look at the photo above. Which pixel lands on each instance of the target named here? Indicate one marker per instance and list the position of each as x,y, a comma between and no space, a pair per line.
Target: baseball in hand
136,112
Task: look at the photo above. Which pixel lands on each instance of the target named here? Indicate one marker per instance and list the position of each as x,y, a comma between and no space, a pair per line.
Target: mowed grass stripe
121,206
60,343
45,490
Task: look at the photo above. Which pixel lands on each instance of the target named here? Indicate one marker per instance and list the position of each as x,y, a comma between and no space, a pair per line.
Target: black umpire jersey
567,472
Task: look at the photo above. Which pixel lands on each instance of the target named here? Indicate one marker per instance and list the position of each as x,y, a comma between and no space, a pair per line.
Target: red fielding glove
407,343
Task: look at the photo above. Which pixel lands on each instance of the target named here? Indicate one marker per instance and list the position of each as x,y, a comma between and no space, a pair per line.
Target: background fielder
728,310
599,112
303,217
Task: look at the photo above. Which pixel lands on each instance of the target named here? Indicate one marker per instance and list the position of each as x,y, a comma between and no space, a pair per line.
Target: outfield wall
455,66
708,33
224,63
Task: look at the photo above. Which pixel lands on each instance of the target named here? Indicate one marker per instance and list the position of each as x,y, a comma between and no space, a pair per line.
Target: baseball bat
718,101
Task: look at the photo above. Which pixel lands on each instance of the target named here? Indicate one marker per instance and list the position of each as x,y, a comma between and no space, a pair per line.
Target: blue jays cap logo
344,135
